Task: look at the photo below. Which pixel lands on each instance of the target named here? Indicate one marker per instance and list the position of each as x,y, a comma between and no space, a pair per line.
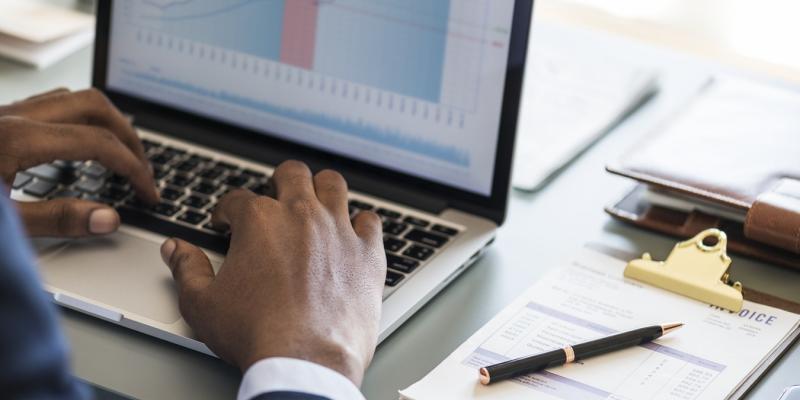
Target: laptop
414,102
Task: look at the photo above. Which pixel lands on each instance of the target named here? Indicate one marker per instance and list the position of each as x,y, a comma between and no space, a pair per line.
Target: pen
526,365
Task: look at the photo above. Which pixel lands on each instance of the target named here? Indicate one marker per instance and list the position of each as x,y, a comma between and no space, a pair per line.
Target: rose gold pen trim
485,378
569,352
667,328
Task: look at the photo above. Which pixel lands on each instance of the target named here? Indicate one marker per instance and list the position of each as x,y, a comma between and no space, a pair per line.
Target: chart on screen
413,85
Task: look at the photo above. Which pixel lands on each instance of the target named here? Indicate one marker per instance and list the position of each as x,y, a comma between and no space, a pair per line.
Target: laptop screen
415,86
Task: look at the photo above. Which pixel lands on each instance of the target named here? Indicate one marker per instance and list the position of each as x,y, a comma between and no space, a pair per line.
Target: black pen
526,365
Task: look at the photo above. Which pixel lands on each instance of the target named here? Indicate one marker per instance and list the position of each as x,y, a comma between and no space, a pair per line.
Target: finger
231,210
83,107
368,227
331,189
292,180
54,92
68,218
192,273
35,143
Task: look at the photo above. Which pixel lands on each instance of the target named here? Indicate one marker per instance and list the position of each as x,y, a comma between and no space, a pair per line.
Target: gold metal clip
693,269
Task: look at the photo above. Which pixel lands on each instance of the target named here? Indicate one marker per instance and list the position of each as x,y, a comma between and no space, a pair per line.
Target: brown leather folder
735,146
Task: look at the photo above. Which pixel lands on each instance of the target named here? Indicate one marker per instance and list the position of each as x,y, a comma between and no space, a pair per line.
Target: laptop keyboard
191,184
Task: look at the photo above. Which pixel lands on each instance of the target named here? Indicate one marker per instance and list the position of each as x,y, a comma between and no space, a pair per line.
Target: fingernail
167,249
103,221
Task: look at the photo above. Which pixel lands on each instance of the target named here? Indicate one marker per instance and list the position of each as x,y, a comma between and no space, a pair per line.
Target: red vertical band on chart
299,33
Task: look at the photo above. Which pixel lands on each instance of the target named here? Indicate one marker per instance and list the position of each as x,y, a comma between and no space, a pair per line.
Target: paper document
573,94
37,21
708,358
39,34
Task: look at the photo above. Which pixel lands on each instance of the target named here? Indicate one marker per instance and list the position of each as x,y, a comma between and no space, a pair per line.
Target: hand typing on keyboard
76,126
300,280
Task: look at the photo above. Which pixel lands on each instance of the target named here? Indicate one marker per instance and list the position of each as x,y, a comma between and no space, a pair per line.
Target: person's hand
300,280
73,126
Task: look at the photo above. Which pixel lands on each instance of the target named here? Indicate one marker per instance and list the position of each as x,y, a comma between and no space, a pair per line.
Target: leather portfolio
735,151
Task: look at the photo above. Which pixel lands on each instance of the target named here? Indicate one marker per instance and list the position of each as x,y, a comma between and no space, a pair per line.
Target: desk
542,231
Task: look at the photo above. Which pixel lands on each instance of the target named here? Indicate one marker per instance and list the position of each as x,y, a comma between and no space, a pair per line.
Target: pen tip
667,328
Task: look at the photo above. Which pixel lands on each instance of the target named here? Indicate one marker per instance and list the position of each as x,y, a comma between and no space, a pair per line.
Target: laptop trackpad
122,270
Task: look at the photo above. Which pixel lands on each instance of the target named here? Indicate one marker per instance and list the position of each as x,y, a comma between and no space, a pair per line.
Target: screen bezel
261,147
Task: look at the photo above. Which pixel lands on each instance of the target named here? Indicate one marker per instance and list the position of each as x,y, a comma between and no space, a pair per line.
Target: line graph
362,41
412,85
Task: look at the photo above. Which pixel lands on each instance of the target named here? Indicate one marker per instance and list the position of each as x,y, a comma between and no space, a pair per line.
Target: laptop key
171,194
161,159
254,174
394,228
401,264
89,185
45,171
181,181
388,213
175,151
212,173
418,252
427,238
393,278
40,188
237,181
94,170
205,188
20,180
416,221
227,165
197,202
50,173
187,166
392,244
446,230
166,209
191,217
199,159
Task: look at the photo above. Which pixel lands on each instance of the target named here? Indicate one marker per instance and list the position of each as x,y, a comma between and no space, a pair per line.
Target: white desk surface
542,230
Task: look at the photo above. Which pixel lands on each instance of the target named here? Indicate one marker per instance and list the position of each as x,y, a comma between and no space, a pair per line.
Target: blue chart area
395,45
450,154
248,26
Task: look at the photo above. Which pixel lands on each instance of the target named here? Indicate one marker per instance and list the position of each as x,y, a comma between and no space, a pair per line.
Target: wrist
330,355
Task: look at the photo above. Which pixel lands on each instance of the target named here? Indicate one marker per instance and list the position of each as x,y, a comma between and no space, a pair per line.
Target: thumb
68,218
192,272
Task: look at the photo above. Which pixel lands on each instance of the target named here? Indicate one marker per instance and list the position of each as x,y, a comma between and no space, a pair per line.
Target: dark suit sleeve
288,396
34,360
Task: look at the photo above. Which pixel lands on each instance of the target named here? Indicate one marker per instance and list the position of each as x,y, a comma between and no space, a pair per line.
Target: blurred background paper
39,33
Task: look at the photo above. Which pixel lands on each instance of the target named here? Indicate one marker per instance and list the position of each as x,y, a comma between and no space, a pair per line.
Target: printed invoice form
589,298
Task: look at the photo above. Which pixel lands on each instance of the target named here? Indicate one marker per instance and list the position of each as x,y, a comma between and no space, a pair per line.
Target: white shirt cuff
279,374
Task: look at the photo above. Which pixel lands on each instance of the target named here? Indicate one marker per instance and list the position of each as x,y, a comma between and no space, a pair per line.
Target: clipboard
747,294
